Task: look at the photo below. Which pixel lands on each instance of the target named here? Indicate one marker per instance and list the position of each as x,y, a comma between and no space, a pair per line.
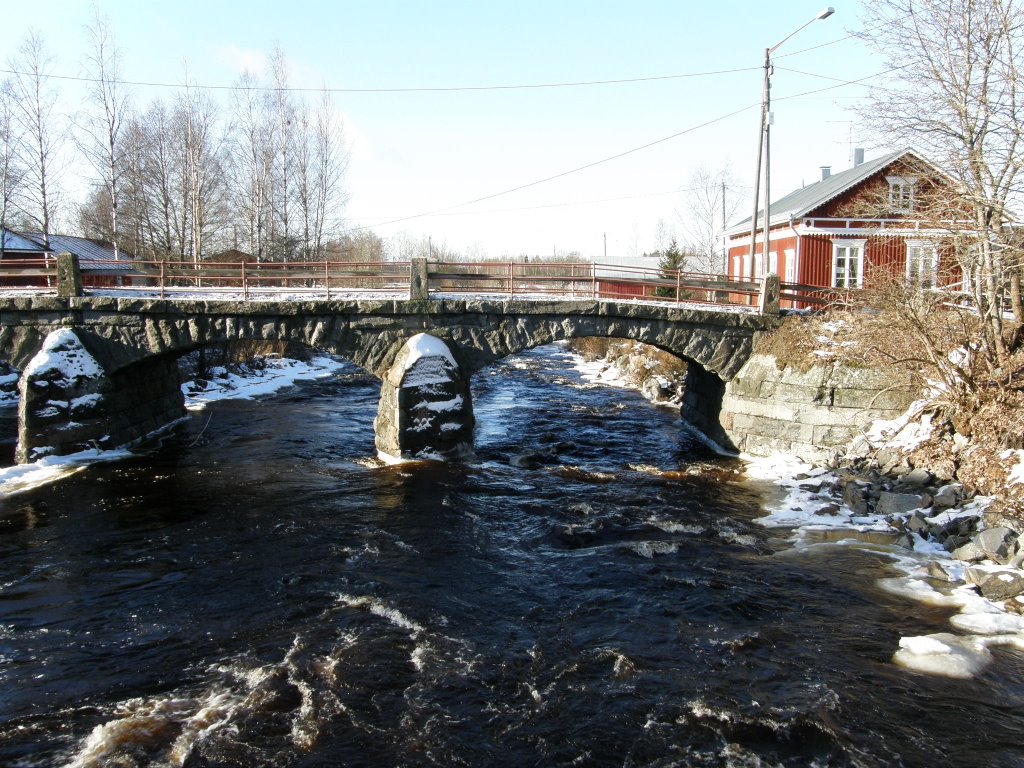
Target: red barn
853,229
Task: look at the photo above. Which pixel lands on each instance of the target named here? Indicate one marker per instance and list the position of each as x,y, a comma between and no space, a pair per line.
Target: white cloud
241,60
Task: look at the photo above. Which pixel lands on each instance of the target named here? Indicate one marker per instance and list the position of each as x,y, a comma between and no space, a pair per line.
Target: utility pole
725,253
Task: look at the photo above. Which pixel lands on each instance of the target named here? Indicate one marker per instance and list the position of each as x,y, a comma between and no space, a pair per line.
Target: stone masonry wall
810,414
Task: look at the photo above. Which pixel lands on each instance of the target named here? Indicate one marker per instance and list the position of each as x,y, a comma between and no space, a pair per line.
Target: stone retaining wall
812,414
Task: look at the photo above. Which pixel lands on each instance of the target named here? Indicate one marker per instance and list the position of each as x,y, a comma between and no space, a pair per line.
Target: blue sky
421,151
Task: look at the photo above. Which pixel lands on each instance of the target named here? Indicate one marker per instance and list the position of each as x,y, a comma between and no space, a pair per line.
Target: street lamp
764,144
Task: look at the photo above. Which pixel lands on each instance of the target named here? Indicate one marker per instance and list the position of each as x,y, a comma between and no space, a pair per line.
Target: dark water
259,593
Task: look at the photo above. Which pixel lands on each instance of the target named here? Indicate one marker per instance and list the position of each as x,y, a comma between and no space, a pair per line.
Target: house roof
15,242
92,254
806,199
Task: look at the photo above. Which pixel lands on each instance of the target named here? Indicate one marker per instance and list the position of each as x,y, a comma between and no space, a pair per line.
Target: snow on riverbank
809,504
819,522
250,382
24,477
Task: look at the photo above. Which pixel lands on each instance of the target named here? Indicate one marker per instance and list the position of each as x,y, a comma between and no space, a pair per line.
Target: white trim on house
791,270
922,264
901,193
847,263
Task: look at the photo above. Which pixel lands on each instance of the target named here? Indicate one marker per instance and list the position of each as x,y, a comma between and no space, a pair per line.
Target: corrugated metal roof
806,199
92,254
15,242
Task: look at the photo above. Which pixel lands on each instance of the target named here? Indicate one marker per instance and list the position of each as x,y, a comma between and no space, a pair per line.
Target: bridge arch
131,339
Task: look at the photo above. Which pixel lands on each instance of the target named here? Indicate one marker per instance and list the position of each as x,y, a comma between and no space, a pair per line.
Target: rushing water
261,593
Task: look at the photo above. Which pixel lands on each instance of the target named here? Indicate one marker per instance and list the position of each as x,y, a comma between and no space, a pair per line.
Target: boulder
890,503
1002,585
948,496
917,524
936,571
969,552
997,543
916,478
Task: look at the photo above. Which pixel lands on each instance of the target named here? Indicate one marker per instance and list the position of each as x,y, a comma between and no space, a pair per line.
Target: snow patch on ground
1016,475
798,505
275,375
24,477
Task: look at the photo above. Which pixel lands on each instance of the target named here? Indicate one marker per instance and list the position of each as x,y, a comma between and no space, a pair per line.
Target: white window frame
790,265
846,246
918,278
773,262
901,193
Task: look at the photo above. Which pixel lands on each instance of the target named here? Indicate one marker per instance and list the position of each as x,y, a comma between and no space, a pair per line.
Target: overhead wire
616,156
413,89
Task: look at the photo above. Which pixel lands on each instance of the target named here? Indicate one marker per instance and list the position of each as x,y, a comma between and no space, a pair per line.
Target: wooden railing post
679,282
163,274
327,278
512,279
593,281
245,284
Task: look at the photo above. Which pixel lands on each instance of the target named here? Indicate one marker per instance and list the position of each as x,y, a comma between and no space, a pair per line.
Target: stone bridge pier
69,402
425,409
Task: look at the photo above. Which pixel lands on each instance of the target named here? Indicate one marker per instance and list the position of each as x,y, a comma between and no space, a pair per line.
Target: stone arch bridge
102,371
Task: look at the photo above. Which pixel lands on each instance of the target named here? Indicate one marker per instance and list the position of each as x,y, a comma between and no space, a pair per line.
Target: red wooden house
853,229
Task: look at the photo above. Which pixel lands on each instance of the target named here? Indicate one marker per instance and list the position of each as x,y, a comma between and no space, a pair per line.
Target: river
261,592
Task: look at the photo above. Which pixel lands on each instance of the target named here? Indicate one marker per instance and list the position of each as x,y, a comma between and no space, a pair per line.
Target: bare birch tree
284,159
327,171
956,96
709,202
10,171
202,191
99,133
41,135
252,161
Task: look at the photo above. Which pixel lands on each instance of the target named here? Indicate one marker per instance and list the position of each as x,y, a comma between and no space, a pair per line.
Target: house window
790,265
922,264
773,263
901,193
847,263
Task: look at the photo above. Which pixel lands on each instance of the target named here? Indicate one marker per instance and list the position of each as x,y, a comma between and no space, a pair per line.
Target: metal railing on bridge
343,279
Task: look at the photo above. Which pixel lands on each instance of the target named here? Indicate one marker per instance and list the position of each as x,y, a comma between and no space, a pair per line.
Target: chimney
858,156
826,171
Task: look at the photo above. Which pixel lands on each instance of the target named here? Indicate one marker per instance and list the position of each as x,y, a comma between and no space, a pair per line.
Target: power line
415,89
410,89
679,191
720,118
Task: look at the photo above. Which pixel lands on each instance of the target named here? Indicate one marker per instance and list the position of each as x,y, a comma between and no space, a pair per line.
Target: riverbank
950,545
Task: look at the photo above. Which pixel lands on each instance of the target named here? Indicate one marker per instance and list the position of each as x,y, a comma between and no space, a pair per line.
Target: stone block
1003,585
996,543
890,503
